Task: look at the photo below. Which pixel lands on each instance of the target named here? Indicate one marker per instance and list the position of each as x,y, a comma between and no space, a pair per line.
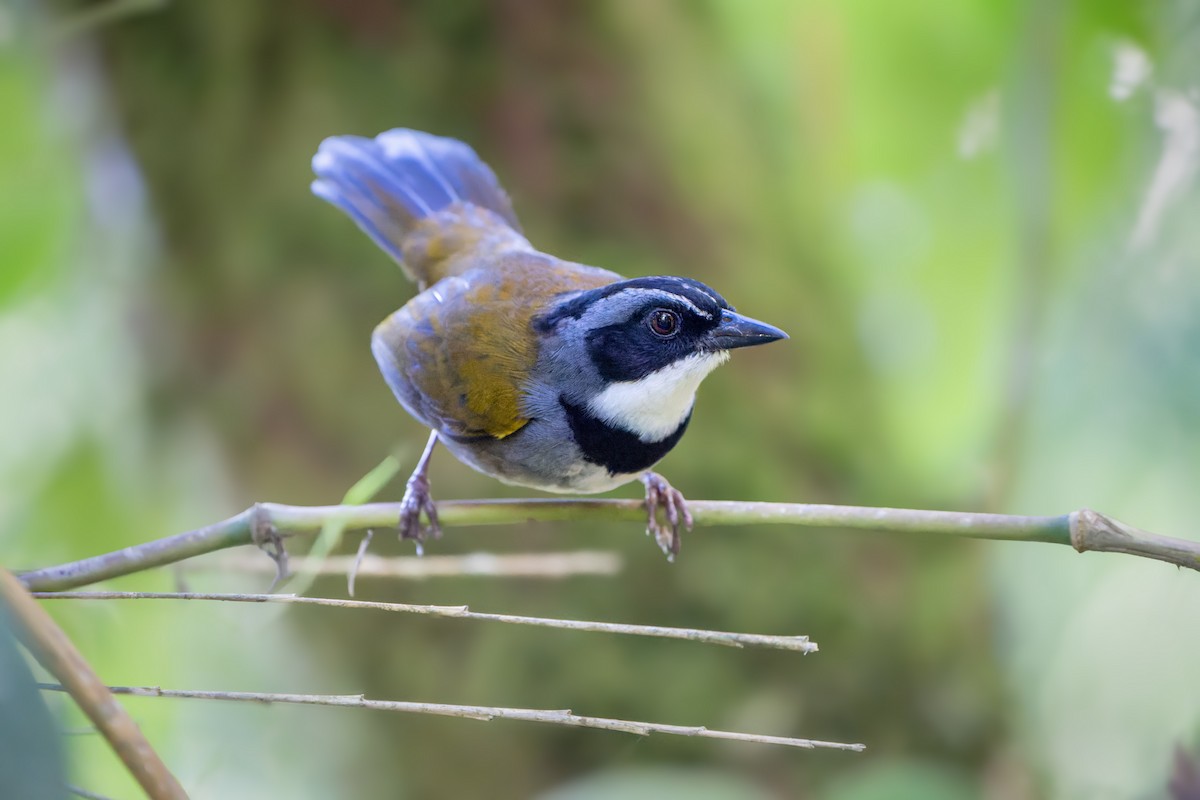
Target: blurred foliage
975,219
31,752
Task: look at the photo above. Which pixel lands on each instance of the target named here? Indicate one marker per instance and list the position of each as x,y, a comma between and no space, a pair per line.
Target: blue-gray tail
390,183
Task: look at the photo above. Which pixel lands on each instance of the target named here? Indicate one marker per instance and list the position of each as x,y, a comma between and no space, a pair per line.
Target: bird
537,371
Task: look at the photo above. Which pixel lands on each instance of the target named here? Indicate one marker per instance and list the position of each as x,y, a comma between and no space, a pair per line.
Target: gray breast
542,455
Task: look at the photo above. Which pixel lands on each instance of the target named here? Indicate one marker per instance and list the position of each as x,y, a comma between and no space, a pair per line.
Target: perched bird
537,371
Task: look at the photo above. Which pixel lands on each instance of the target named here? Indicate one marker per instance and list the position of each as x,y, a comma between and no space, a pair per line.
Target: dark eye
664,323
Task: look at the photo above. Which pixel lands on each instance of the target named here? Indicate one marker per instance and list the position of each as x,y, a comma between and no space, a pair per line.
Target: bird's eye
664,323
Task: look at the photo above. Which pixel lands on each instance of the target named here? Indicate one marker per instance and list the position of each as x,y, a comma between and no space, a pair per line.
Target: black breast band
617,450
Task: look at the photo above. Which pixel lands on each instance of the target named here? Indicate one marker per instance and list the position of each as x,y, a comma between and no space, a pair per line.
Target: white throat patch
652,407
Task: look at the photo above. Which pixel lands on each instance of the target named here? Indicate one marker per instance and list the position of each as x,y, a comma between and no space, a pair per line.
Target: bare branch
54,651
1081,529
483,713
800,644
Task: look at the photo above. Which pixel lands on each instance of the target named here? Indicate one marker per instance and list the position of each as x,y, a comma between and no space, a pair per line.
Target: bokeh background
978,221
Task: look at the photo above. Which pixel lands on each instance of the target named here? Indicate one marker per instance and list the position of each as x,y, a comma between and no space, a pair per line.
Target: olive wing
458,355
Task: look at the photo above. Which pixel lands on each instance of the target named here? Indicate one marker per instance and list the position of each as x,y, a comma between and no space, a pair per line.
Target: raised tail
424,199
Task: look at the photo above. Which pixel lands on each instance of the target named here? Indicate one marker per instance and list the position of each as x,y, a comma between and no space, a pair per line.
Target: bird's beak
735,330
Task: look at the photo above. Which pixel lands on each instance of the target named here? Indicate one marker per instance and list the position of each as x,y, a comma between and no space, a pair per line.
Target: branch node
1091,530
1080,523
1096,532
266,537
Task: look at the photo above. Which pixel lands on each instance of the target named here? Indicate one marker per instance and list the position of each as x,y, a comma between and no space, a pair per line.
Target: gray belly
542,455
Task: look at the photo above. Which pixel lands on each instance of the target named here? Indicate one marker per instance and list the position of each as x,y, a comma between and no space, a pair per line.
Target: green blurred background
978,221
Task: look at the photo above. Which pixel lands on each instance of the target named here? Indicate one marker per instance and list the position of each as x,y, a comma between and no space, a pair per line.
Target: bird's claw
660,493
417,500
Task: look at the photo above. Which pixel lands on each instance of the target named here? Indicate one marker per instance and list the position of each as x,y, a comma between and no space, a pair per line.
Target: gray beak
738,331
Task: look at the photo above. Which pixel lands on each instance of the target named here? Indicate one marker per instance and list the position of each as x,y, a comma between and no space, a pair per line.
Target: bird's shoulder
464,349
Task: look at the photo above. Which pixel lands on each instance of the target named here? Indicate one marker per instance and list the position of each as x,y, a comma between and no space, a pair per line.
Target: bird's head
641,347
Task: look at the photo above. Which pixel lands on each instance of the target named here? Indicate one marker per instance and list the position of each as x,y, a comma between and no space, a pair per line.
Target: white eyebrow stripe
665,295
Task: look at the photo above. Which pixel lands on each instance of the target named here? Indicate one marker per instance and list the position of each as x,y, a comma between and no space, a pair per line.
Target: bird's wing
459,355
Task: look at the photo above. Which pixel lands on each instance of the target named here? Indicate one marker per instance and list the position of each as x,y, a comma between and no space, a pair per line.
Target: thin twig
364,490
88,795
264,523
549,566
78,732
54,651
800,644
484,713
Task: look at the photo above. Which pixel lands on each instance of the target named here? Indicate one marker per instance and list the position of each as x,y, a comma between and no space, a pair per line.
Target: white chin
653,407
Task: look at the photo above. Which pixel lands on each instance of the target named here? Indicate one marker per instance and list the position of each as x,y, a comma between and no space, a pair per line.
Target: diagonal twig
484,713
54,651
801,644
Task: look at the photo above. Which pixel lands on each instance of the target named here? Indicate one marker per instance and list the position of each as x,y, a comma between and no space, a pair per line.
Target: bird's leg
417,500
661,493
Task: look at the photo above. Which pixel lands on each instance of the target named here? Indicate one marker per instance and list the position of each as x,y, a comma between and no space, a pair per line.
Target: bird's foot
417,500
659,493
